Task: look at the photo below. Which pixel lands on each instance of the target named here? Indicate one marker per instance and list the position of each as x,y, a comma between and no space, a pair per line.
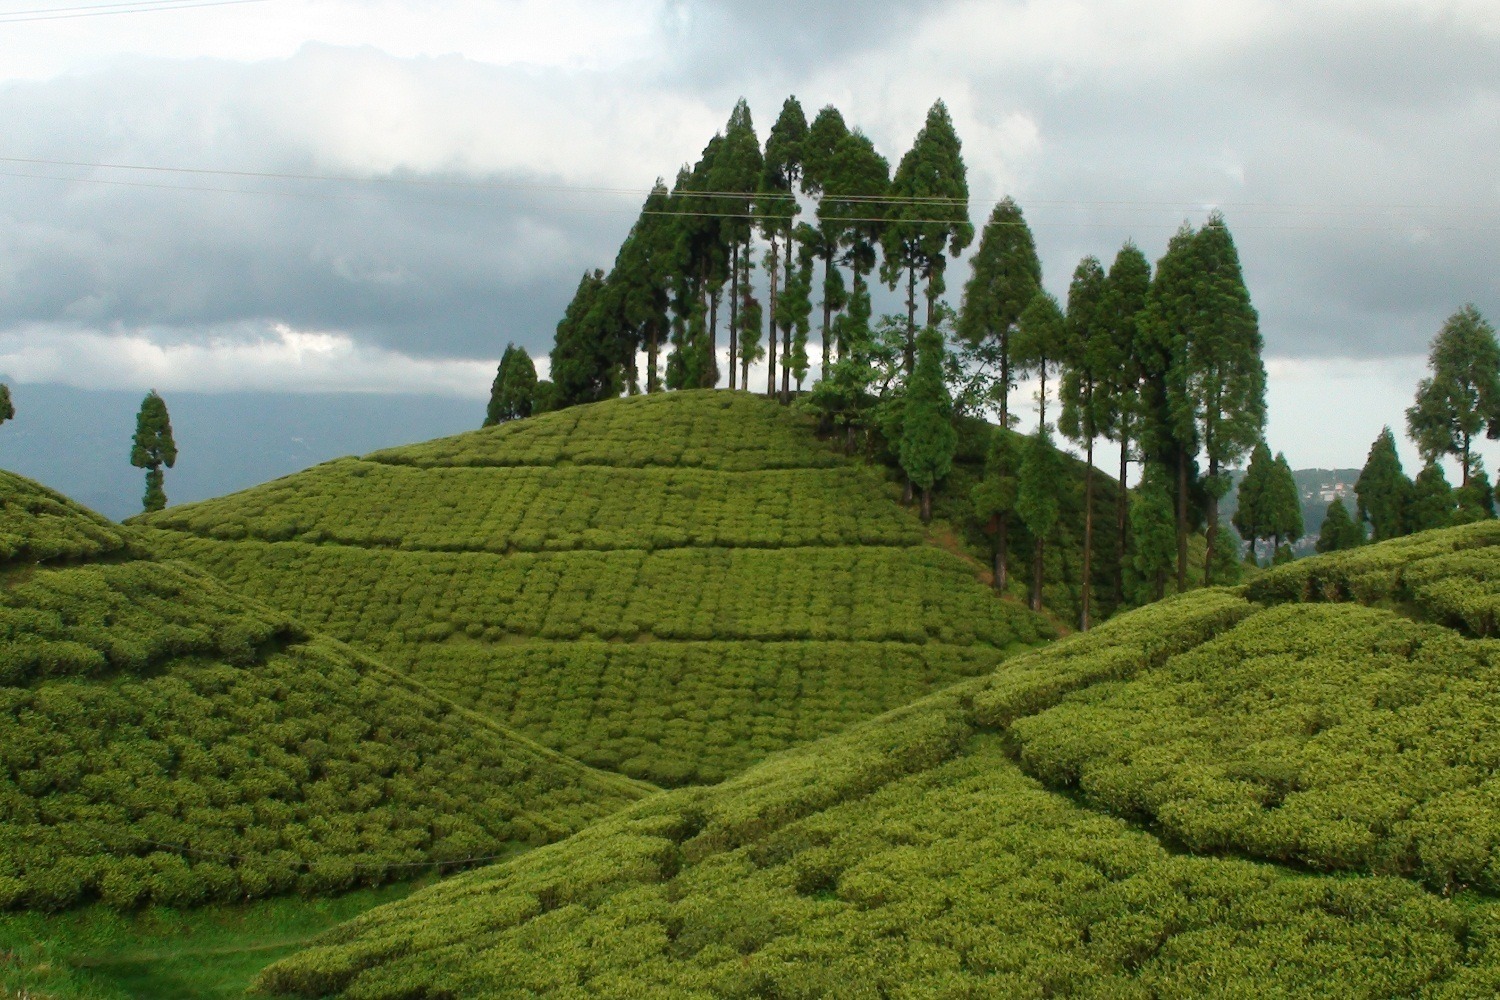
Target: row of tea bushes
126,617
1336,736
382,599
680,713
906,857
40,525
707,429
355,502
1450,576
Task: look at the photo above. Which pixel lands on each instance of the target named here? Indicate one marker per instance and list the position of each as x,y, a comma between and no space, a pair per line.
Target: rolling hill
1285,790
163,740
669,586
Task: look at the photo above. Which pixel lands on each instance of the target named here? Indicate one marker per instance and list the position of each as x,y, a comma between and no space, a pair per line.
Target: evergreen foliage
1339,531
1153,536
735,179
1281,504
514,390
1005,275
7,408
1253,518
1432,501
1037,502
928,217
777,207
586,364
1462,395
928,439
1092,356
1383,491
152,447
1476,501
1041,343
994,501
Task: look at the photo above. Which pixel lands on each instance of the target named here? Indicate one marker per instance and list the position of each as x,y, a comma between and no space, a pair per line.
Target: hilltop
1255,792
671,586
163,740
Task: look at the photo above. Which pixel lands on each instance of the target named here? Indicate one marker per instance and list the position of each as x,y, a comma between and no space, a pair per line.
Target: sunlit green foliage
676,624
909,856
163,740
39,525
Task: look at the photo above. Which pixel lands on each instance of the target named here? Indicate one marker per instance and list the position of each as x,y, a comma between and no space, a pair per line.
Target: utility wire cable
106,9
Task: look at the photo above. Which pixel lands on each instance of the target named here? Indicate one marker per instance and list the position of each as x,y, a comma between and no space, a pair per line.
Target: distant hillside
1277,792
163,740
672,586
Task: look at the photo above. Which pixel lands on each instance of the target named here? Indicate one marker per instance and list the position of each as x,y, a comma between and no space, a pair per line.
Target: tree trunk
786,366
827,312
1182,519
910,355
734,308
652,349
906,493
712,370
926,504
1002,556
1042,409
1088,536
771,344
1122,518
1252,550
1211,531
1037,563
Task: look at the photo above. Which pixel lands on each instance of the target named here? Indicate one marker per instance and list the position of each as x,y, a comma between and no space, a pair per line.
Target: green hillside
163,740
670,586
1267,792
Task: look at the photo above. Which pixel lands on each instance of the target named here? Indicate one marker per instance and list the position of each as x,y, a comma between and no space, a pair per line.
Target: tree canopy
1462,395
152,447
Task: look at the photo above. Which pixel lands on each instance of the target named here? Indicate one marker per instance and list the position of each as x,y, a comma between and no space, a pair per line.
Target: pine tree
1037,501
1218,389
734,179
514,388
1432,501
1087,363
821,178
1164,330
1128,284
153,447
1041,343
1339,531
928,439
994,499
928,217
585,356
1383,490
1250,518
858,179
1476,501
1154,534
644,271
777,206
1282,503
1462,395
794,308
1006,275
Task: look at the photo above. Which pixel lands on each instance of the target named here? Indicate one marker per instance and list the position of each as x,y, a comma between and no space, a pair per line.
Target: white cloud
277,358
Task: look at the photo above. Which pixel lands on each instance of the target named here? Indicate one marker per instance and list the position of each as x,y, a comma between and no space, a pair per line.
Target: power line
934,201
106,9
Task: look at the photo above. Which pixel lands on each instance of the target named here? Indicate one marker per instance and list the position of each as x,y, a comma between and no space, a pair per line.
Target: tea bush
565,575
40,525
906,857
163,740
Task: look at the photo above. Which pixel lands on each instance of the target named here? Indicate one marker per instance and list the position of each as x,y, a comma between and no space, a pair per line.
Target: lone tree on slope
152,447
514,388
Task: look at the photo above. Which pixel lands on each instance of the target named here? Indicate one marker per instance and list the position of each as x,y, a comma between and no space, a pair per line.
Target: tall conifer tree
928,439
1339,531
586,364
1089,361
1250,517
514,387
1154,532
1129,282
1037,501
1383,490
734,180
994,499
777,206
152,447
1006,275
861,178
1432,502
1282,504
1041,343
1462,395
928,217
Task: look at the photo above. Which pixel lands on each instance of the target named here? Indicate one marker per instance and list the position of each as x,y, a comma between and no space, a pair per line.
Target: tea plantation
669,586
165,741
1216,795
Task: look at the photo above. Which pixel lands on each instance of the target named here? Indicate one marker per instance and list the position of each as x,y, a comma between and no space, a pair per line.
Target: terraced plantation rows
1211,796
163,740
675,624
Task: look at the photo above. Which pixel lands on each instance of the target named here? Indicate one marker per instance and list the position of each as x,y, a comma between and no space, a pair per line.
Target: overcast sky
491,151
